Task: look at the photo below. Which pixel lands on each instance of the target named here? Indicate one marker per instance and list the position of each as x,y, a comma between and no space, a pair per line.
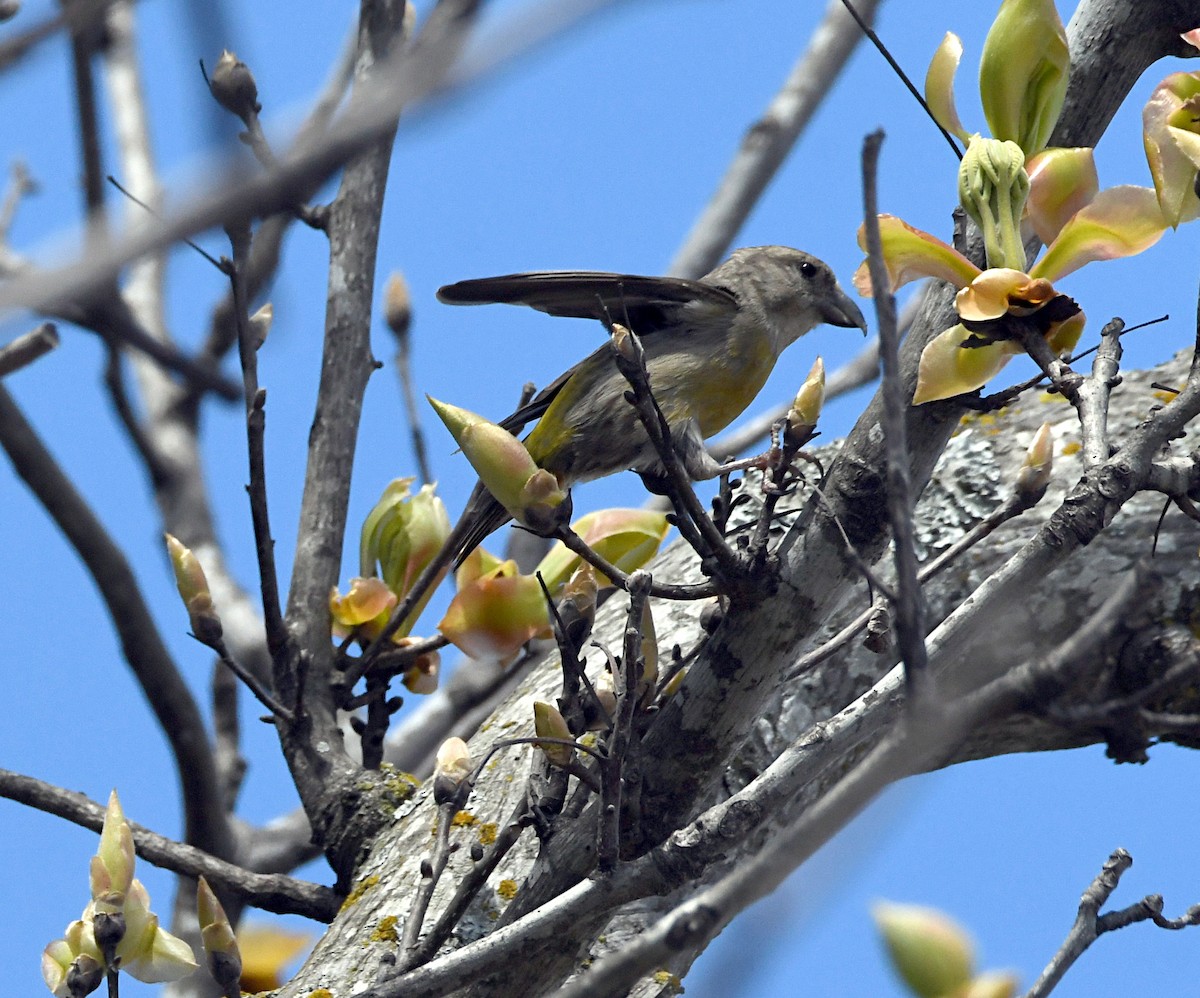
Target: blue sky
594,152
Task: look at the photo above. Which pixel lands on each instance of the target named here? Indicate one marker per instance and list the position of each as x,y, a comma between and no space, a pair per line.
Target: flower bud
260,325
193,590
451,771
806,408
1034,476
233,86
993,187
220,943
928,950
531,495
397,305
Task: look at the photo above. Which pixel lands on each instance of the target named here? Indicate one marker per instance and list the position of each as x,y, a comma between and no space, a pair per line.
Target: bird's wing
626,298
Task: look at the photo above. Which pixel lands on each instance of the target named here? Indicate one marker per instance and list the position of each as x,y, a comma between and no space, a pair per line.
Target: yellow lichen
665,978
359,890
1165,397
507,889
487,833
385,930
1071,447
320,993
1051,397
464,819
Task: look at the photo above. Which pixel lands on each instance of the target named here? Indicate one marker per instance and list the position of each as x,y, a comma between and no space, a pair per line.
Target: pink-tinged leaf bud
496,614
549,723
1038,466
806,409
627,538
233,86
147,951
1023,73
451,772
70,974
421,677
928,950
397,306
220,943
368,602
193,590
1062,182
260,325
531,495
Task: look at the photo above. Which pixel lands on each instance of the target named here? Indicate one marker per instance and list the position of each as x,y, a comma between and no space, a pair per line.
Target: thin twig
28,347
432,868
1087,927
626,683
909,605
903,76
255,398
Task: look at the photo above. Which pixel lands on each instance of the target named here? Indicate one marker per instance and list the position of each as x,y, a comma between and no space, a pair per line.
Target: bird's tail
482,516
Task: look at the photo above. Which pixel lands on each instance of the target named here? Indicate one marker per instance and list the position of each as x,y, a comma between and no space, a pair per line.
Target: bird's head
788,289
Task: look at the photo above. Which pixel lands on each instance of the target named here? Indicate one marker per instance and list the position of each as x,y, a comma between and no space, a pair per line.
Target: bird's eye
807,269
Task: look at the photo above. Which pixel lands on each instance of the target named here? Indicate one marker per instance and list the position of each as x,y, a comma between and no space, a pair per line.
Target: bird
710,345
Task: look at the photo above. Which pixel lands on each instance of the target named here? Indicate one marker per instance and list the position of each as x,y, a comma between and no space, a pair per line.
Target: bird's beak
841,311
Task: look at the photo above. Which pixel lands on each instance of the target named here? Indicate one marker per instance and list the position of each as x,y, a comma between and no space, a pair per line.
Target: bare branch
28,347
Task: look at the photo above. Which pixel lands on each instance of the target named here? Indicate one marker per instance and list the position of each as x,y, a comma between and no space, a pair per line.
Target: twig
468,887
432,868
231,764
1090,924
692,521
27,348
626,682
255,399
261,693
896,68
20,185
268,891
909,605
